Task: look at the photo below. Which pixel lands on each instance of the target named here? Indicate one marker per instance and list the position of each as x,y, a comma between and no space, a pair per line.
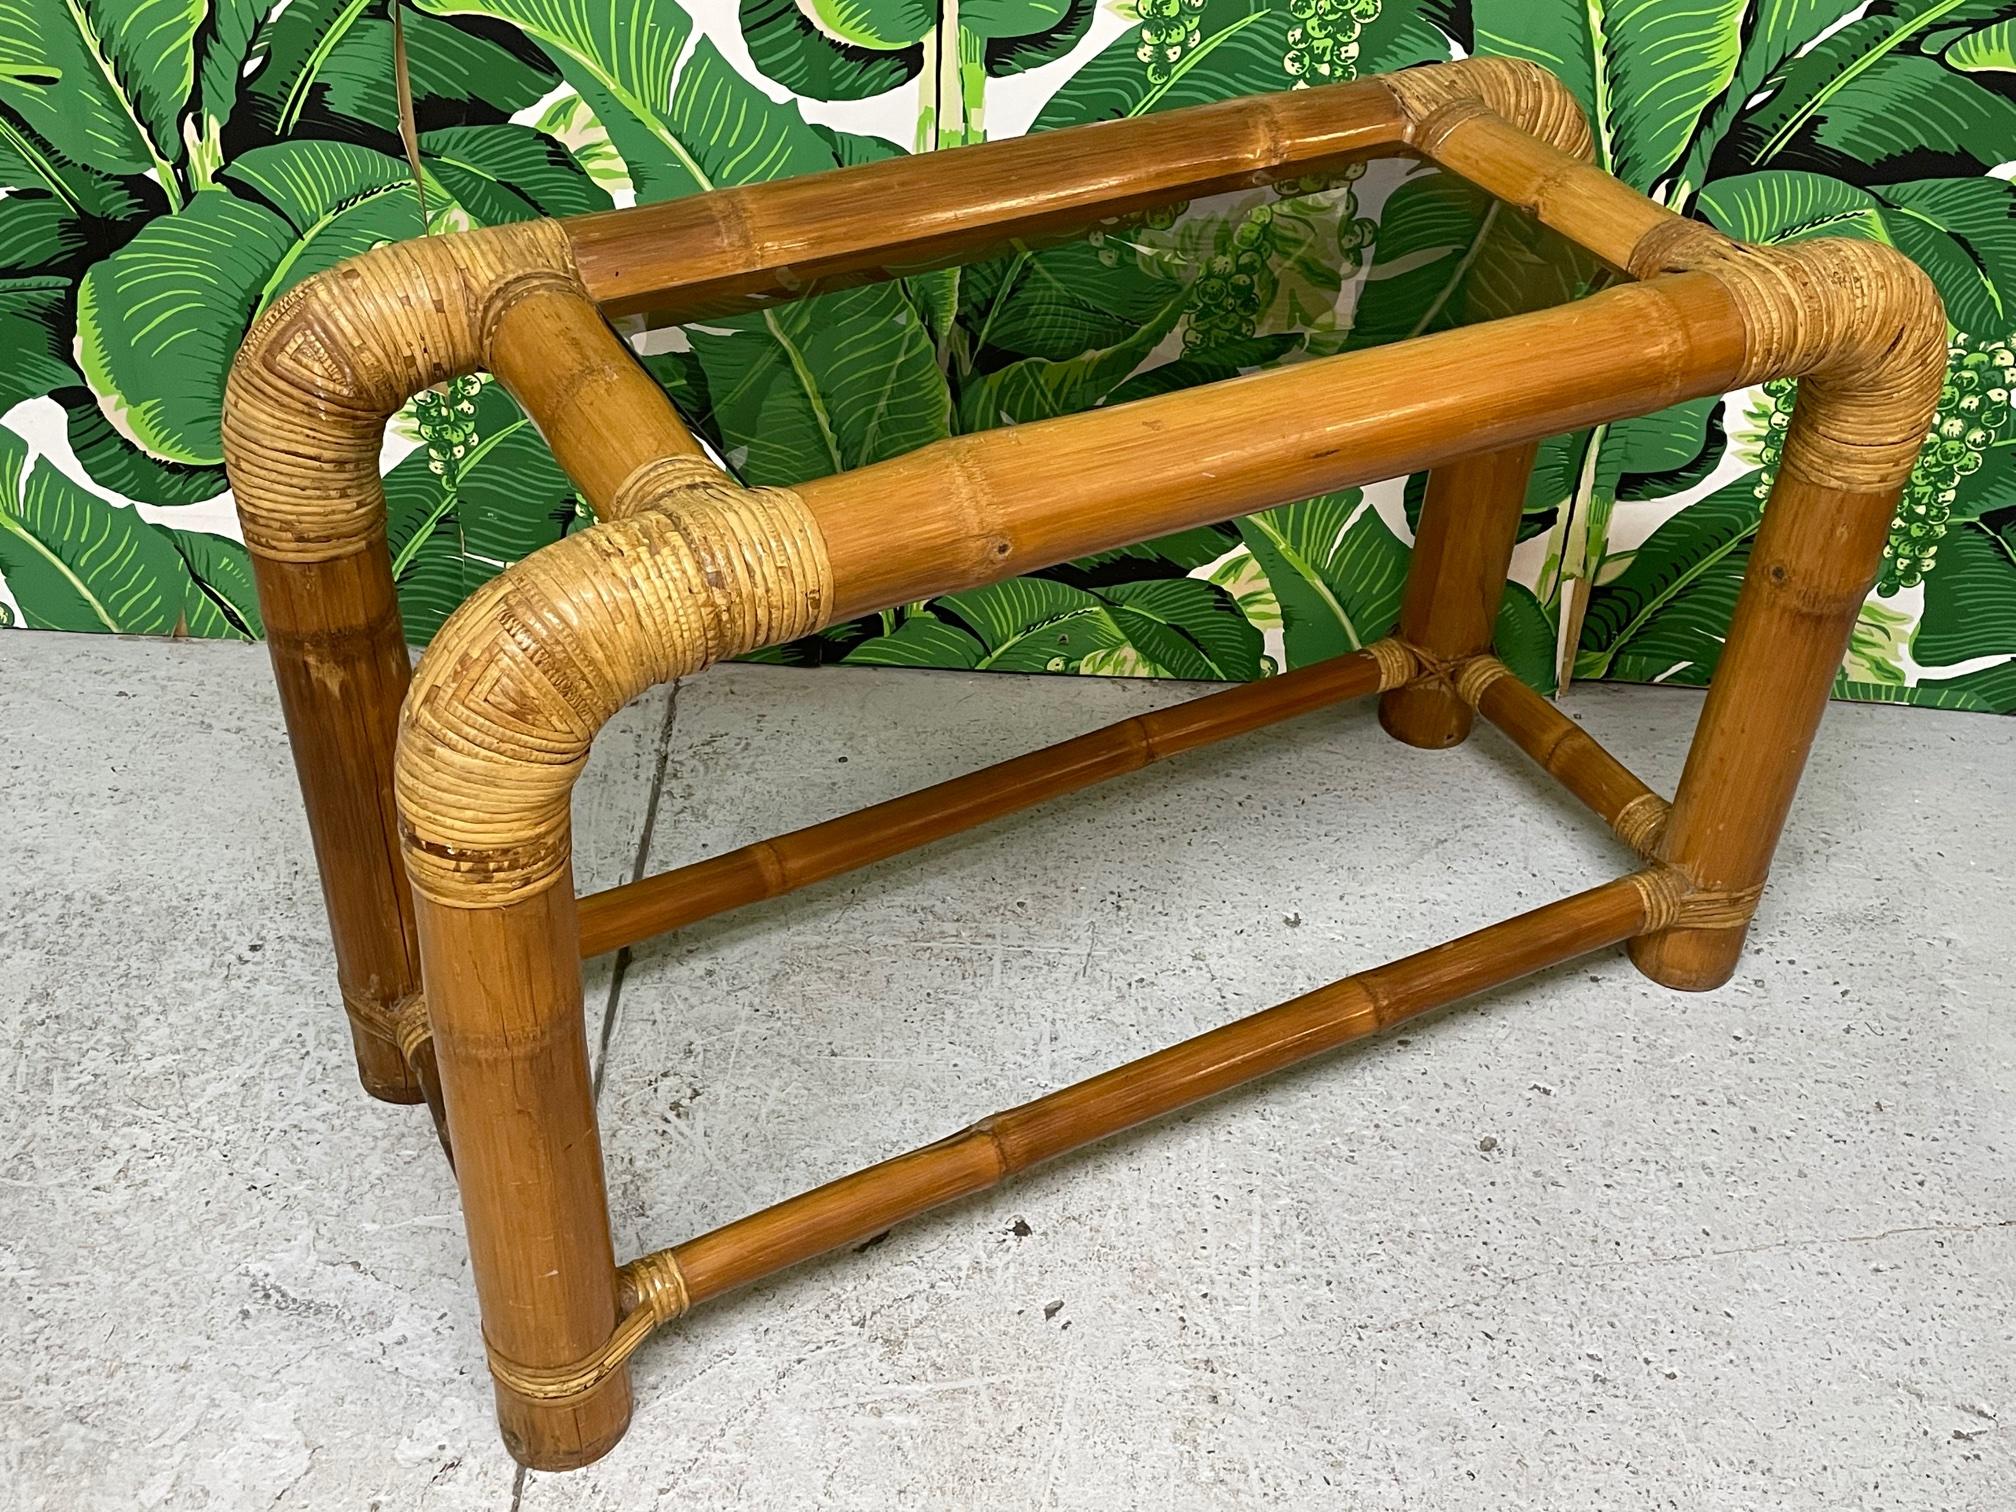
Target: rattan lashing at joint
1641,822
1858,322
412,1029
1399,663
1672,901
658,1291
390,1022
320,373
1438,98
1466,677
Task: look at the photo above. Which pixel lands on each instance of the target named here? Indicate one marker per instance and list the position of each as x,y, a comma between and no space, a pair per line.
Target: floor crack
661,758
1628,1262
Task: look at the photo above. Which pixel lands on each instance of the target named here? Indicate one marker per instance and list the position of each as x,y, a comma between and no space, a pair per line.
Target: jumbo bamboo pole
868,1201
514,1074
341,665
303,428
741,246
1814,561
976,508
619,916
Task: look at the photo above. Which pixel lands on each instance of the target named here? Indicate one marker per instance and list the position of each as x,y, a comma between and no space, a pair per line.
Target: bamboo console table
440,810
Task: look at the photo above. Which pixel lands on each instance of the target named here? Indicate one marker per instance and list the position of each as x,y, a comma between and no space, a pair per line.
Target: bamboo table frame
463,880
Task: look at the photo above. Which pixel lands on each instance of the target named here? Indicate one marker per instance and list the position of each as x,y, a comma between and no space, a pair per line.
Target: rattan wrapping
1858,322
317,377
1439,98
505,703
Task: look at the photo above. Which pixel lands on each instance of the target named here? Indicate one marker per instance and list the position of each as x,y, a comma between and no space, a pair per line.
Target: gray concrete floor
1581,1244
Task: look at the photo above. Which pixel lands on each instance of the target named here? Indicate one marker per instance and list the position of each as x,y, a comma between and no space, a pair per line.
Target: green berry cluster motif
1323,43
1107,245
1973,412
1168,31
1239,281
446,419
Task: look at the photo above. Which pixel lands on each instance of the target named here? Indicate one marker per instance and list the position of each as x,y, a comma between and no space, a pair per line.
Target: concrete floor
1582,1244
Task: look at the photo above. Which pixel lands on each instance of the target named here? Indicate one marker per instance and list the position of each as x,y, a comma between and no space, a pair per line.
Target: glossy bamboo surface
635,911
747,245
860,1205
981,507
686,567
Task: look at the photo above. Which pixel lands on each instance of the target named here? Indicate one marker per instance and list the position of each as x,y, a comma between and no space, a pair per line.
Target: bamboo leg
341,664
303,426
1865,329
504,994
1816,555
1449,609
494,732
304,418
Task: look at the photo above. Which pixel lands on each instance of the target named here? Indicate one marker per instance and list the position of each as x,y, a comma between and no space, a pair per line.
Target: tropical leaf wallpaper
170,167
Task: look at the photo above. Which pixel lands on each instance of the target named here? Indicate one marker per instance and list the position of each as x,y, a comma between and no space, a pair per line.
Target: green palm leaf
795,392
101,80
1777,30
1960,231
223,600
504,173
1643,69
324,67
73,561
1876,92
1037,388
41,244
1240,48
1176,627
451,531
622,58
921,640
1335,568
1970,601
1663,618
159,321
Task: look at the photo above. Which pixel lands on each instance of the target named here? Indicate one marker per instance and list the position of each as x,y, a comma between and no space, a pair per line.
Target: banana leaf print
167,170
72,561
833,51
1776,121
1166,627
